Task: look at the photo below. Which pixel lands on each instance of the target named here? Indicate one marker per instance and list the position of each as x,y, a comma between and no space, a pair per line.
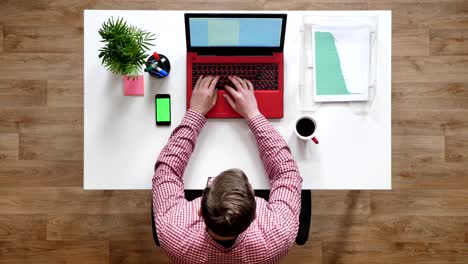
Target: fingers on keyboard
264,76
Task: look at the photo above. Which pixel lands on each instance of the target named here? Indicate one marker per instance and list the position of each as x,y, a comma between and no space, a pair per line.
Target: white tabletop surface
122,142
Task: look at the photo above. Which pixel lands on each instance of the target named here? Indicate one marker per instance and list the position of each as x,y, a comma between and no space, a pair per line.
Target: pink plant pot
133,85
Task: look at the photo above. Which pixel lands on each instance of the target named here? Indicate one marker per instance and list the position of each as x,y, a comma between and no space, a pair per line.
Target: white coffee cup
306,128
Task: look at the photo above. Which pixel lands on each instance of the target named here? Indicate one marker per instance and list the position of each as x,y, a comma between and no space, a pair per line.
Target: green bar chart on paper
341,63
329,75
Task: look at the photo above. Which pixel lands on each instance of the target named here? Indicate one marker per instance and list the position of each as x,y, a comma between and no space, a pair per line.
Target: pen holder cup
166,65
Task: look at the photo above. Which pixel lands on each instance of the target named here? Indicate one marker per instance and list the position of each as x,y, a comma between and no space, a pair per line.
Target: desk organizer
166,64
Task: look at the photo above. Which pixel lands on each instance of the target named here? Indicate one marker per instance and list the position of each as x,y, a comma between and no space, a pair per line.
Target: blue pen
163,72
158,74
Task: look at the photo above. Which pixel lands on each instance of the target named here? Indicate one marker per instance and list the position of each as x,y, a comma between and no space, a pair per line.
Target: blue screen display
235,32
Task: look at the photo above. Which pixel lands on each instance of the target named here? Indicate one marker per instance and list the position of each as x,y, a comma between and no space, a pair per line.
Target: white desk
121,141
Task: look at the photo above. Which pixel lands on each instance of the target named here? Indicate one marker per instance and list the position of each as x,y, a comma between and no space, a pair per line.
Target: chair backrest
153,226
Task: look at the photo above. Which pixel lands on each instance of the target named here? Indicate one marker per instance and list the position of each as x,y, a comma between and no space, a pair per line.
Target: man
228,224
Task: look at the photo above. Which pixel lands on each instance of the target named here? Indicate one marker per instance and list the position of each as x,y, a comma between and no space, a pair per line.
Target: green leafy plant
125,47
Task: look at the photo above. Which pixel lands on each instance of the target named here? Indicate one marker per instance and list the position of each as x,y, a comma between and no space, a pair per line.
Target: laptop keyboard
264,76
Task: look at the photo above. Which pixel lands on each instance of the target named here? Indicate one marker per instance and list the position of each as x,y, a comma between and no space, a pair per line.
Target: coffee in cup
305,128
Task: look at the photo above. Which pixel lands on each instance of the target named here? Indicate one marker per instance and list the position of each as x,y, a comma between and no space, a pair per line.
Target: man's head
228,204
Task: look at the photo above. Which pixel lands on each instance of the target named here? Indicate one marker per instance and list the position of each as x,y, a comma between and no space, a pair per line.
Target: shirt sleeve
168,185
285,179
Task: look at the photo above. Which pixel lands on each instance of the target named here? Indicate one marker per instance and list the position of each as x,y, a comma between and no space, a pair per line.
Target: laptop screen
235,31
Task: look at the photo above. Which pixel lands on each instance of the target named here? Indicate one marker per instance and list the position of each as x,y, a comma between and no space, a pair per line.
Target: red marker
158,59
156,56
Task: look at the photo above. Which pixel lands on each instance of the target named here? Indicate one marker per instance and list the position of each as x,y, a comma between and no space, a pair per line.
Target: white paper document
341,58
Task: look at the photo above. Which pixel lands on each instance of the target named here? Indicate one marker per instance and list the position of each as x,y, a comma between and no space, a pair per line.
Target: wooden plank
174,5
429,175
398,2
40,173
434,69
340,202
25,18
65,66
99,227
70,252
40,13
23,66
443,229
314,5
428,122
38,39
1,38
384,252
420,203
15,119
410,69
342,2
22,227
310,253
70,12
449,42
102,4
410,42
427,95
73,200
8,146
409,126
58,121
145,251
448,68
57,5
425,14
18,6
22,93
456,148
344,252
51,147
422,149
41,66
41,120
65,93
338,227
140,251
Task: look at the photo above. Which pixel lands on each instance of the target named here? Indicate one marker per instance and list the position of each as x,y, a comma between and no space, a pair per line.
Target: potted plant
124,52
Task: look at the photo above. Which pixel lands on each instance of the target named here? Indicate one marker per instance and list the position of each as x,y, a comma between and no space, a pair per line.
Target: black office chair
304,216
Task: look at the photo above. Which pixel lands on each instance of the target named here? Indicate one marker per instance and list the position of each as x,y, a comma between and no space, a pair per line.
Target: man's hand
242,100
204,94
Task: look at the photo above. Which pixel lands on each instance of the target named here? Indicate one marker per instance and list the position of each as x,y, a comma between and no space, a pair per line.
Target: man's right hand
242,99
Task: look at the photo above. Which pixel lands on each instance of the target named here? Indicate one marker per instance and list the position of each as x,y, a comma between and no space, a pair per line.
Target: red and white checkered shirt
182,231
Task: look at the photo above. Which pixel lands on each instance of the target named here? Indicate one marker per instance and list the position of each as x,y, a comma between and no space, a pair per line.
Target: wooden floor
46,217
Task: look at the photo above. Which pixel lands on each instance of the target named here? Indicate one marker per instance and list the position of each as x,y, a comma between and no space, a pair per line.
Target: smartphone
163,109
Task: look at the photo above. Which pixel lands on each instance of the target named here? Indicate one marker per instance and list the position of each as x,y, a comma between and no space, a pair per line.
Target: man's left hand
204,94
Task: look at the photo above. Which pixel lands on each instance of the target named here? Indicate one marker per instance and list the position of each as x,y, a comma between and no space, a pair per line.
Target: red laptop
246,45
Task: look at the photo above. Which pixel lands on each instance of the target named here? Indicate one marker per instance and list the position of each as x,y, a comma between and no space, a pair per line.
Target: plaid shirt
182,231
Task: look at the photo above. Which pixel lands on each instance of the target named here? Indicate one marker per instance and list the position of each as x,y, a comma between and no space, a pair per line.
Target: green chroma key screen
163,110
